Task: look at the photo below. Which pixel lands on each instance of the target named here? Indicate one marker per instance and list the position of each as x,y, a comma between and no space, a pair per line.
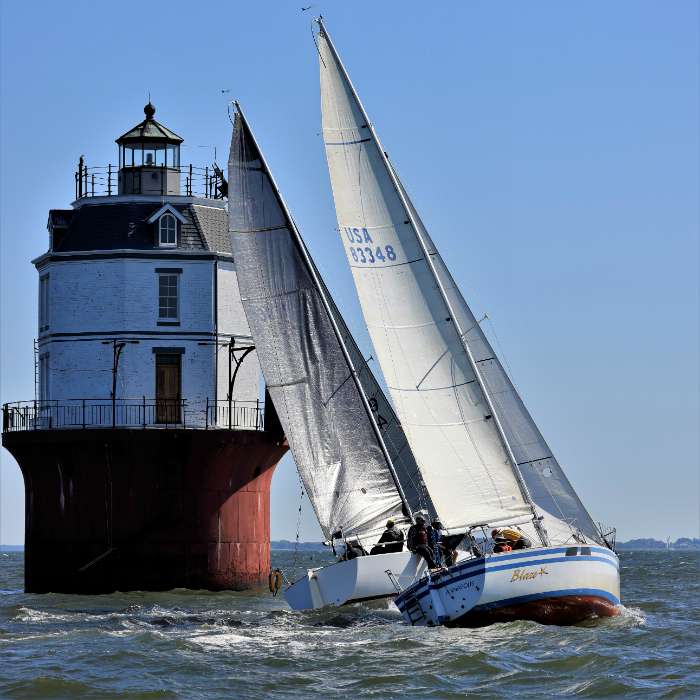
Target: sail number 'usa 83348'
364,250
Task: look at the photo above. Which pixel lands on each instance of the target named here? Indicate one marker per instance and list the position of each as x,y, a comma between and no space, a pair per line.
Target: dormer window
167,231
165,222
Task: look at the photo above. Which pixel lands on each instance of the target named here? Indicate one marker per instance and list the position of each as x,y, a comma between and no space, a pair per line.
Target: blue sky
551,148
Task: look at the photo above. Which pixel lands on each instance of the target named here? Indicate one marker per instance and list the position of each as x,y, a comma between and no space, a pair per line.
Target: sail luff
428,258
321,290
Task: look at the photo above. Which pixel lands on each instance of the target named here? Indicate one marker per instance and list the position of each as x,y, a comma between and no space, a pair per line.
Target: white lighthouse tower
149,387
138,290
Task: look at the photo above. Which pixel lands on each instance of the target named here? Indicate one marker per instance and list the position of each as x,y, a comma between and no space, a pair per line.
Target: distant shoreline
682,544
641,545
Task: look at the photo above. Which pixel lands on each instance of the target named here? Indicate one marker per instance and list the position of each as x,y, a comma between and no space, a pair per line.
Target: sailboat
347,443
483,460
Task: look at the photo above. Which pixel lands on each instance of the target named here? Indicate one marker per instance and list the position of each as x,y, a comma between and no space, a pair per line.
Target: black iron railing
193,181
132,413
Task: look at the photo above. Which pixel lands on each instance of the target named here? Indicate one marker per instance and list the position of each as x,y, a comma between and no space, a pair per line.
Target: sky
551,149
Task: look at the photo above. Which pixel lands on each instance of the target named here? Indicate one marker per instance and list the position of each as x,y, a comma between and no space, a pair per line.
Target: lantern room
149,158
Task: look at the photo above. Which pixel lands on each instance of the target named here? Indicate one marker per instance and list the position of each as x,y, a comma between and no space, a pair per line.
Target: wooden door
167,388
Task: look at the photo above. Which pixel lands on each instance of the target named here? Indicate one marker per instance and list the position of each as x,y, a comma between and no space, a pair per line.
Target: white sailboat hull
550,585
360,579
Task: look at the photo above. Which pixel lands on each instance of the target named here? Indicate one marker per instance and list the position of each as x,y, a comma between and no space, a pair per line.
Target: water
192,644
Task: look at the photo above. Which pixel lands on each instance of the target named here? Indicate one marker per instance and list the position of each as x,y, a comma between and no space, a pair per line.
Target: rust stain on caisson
150,510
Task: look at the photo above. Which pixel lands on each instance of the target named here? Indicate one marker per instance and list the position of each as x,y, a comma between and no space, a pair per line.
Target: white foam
635,614
226,639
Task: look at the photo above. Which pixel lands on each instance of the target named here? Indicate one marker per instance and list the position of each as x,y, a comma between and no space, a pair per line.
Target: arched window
167,227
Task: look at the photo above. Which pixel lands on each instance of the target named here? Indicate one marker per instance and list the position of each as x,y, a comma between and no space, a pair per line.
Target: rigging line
336,390
476,324
313,36
492,326
296,542
477,450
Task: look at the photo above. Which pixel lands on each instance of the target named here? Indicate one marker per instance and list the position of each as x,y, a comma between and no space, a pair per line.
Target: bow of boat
549,585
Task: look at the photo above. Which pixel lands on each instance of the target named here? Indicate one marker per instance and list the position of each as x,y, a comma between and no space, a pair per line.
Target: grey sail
334,440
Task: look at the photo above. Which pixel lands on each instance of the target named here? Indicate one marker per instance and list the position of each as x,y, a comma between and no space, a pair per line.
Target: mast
426,253
320,288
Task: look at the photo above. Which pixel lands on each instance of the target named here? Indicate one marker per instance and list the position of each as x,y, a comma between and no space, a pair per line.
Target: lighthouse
149,448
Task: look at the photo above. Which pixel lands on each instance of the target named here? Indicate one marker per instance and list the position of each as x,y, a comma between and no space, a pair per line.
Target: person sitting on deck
353,549
500,544
418,541
512,537
390,541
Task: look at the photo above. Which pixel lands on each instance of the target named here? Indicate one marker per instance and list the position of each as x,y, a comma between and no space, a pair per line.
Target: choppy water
185,644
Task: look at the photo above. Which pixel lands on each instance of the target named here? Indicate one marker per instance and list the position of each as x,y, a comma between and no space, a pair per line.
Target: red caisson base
563,610
130,509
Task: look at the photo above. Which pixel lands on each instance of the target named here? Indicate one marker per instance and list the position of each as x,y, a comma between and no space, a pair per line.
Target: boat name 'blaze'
524,575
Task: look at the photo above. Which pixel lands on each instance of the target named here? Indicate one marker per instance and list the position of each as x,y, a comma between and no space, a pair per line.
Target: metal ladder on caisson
412,607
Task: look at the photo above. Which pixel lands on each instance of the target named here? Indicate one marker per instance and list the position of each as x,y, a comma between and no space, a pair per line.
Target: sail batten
444,388
326,400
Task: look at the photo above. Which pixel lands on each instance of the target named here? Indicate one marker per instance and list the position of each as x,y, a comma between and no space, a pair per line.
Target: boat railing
143,413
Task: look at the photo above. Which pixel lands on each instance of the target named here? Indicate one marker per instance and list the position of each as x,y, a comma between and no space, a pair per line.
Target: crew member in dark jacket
390,541
418,541
353,550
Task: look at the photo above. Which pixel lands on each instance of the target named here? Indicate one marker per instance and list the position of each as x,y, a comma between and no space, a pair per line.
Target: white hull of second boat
360,579
550,585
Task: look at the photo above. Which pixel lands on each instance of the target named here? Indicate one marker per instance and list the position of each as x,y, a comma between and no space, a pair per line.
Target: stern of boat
357,580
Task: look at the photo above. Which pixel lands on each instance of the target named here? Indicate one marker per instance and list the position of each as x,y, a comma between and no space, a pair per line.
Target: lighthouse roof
149,130
125,226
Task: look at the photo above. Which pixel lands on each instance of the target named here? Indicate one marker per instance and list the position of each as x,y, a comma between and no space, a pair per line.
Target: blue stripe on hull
531,553
479,567
611,558
539,551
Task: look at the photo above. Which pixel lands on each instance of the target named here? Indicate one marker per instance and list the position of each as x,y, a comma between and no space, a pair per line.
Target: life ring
275,581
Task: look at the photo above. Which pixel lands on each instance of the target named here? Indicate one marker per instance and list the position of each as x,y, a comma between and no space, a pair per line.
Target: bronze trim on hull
562,610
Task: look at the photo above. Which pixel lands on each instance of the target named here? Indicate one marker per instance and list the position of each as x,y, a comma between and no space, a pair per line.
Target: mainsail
335,416
479,452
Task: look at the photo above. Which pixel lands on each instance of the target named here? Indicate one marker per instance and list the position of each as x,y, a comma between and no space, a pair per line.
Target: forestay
337,452
458,446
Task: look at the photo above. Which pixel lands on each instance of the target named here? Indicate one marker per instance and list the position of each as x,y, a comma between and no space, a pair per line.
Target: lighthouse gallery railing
132,413
194,181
